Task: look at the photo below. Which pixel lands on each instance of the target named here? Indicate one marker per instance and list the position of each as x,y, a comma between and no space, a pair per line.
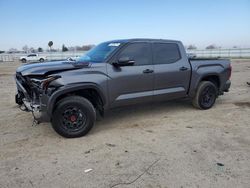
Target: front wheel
73,117
24,60
205,96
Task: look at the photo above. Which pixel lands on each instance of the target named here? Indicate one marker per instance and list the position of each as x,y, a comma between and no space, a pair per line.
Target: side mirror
124,61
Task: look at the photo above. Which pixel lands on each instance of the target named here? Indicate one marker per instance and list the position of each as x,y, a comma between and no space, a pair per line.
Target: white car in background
32,58
73,58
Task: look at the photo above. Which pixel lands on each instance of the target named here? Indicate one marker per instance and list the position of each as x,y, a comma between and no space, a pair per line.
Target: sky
225,23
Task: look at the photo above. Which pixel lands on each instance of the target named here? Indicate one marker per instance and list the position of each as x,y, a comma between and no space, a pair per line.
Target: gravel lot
170,144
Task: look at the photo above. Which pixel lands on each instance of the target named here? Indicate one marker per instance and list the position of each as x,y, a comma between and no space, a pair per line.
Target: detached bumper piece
18,98
227,85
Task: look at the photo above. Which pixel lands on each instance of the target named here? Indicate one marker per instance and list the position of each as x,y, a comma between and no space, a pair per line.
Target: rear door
172,71
131,84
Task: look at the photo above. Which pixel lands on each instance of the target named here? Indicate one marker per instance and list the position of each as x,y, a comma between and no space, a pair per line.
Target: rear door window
165,53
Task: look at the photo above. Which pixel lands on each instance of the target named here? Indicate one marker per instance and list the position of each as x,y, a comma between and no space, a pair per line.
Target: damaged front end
36,82
30,90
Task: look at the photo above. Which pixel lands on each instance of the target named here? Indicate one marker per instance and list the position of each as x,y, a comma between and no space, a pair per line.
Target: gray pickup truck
117,73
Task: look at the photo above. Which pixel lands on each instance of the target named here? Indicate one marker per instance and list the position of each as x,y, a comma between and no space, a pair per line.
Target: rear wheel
73,116
24,60
205,96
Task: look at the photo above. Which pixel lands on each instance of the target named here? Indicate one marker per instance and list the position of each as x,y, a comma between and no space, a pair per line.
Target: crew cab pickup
117,73
32,58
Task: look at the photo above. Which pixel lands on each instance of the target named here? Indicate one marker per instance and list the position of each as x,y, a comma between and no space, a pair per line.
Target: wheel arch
197,79
214,78
90,91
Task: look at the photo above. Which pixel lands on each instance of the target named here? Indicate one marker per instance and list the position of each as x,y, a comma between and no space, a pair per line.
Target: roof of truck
142,40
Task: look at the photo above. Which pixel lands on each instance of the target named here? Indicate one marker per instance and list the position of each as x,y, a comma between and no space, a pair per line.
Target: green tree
191,47
211,46
64,48
40,49
50,44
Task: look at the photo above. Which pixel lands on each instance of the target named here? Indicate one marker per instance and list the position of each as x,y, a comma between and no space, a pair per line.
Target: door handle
146,71
183,69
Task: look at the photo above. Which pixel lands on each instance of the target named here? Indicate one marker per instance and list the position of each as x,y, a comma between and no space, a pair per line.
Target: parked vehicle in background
117,73
32,58
73,58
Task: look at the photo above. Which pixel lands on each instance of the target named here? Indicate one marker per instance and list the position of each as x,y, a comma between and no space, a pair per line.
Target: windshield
99,53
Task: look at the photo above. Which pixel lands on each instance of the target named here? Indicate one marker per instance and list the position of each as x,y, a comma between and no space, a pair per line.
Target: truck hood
39,69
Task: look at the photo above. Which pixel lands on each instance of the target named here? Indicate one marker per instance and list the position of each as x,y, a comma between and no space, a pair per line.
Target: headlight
44,83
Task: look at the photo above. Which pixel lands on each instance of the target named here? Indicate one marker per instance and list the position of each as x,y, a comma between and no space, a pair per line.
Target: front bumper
23,99
38,110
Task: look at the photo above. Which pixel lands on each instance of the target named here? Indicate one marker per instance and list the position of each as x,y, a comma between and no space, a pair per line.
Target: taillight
230,71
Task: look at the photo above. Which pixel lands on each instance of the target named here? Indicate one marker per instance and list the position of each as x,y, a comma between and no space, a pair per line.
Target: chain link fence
223,53
51,56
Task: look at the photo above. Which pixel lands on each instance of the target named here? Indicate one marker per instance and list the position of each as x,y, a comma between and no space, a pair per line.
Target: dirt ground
170,144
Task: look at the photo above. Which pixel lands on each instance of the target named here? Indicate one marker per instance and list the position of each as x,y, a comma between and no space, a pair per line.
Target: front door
134,83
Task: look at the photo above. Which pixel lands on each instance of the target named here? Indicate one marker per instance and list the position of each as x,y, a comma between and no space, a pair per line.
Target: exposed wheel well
214,79
91,94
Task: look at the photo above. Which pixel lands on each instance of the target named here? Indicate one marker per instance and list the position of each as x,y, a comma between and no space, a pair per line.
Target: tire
24,60
41,60
205,96
73,117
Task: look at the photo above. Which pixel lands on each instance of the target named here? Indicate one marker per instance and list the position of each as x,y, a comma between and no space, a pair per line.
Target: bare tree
191,47
25,48
32,50
211,46
84,47
87,47
12,50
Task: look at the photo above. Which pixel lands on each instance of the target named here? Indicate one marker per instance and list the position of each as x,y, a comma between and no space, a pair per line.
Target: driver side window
139,52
